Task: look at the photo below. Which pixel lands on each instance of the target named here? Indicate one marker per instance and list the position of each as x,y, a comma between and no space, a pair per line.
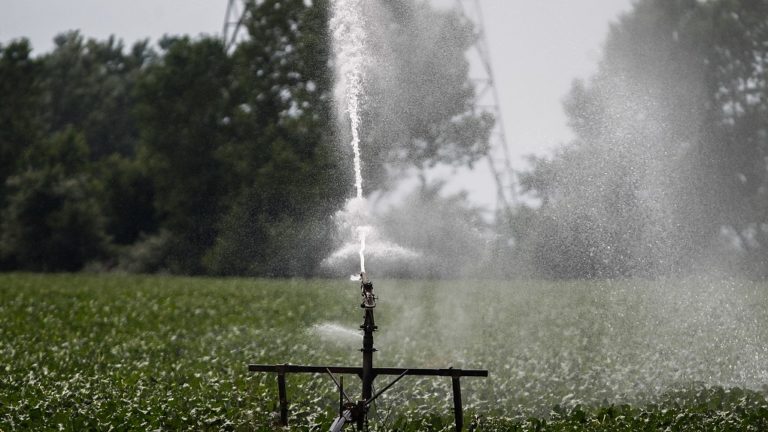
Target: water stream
349,49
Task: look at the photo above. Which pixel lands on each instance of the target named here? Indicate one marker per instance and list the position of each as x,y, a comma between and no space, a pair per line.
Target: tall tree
78,94
668,133
736,152
288,180
182,108
20,91
89,85
53,220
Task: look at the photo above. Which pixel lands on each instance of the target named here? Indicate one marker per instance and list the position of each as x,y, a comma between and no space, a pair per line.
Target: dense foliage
135,352
187,158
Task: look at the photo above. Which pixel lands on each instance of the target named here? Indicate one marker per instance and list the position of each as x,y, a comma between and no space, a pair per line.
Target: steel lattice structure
233,21
487,100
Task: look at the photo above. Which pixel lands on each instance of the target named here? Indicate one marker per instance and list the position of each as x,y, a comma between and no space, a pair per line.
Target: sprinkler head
366,288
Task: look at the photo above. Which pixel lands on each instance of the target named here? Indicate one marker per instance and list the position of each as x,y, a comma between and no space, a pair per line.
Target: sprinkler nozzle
366,288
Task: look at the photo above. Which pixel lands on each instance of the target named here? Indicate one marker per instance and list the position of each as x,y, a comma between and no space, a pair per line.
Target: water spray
349,35
349,42
363,233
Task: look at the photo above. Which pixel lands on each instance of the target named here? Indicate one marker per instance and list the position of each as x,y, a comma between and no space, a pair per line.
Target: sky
537,48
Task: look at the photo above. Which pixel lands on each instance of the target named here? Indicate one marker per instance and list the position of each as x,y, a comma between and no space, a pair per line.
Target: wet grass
92,352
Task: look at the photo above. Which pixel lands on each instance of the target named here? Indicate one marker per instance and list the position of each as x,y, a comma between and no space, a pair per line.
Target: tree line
184,157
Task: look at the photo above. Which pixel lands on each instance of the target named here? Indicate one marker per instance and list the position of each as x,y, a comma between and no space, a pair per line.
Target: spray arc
349,45
355,412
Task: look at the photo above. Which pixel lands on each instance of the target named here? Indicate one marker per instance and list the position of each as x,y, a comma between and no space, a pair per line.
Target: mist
657,181
648,200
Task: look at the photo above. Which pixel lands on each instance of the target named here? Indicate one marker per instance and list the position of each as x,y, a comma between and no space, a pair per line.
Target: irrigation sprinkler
356,412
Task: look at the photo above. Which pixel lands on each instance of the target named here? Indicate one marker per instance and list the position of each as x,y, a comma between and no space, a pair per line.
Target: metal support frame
282,395
352,370
358,411
487,100
283,369
458,410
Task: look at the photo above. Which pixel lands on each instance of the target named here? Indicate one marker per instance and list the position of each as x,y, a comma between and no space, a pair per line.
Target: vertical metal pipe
458,411
368,376
283,398
368,351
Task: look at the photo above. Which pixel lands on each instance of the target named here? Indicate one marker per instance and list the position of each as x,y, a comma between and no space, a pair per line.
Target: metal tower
233,21
487,100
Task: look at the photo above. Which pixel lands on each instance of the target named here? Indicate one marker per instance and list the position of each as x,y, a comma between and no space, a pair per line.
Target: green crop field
92,352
